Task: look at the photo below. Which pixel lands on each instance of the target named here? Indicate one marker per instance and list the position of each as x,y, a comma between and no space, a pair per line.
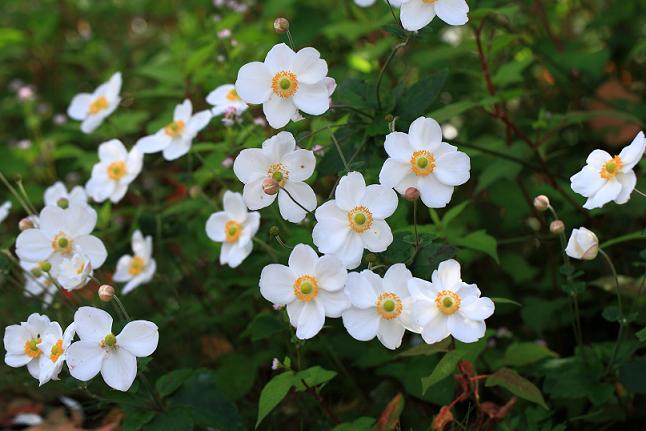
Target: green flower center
389,305
63,203
110,340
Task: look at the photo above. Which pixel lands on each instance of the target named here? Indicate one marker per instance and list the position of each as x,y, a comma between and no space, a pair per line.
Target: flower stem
639,192
291,41
341,155
266,247
153,392
121,308
295,201
385,67
415,226
17,195
622,318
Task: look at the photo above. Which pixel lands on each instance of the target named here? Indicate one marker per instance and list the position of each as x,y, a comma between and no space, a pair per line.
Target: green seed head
63,203
389,305
285,84
63,242
110,340
306,288
422,162
360,219
447,302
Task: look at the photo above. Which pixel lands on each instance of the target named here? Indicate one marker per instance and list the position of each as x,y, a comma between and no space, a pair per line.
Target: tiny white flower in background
416,14
311,287
23,343
93,108
380,307
225,98
116,169
4,210
57,194
366,3
583,244
176,138
280,160
235,228
285,83
448,306
354,220
60,234
73,272
606,178
54,346
421,160
99,350
138,269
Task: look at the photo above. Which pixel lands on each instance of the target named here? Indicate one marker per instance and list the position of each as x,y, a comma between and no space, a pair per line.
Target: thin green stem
295,201
622,318
291,41
266,247
120,306
385,67
415,226
16,194
639,192
341,155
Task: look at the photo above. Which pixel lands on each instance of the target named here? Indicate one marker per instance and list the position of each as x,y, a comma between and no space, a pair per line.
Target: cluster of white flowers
417,14
44,348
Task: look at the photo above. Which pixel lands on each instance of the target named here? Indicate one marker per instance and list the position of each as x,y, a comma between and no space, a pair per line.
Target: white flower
606,178
354,220
57,194
99,350
61,233
41,285
54,346
448,306
284,83
380,307
225,98
311,287
73,272
235,228
416,14
137,269
93,108
176,138
116,169
421,160
23,343
4,210
583,244
278,159
366,3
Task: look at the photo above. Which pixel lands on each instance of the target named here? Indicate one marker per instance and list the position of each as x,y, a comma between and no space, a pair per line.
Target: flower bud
36,272
583,244
557,227
371,258
389,118
274,230
411,194
281,25
541,203
106,292
25,224
45,266
270,186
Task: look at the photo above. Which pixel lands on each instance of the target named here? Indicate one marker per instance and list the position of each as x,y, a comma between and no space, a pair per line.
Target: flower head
605,178
54,347
380,307
448,306
116,169
416,14
23,343
225,99
421,160
58,195
138,268
285,83
99,350
583,244
354,220
280,160
235,228
175,139
73,272
93,108
310,286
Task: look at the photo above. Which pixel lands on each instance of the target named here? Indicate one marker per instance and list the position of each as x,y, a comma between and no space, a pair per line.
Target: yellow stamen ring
360,219
389,306
306,288
284,84
447,302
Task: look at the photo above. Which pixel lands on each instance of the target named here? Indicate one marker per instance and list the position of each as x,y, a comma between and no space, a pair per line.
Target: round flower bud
25,224
557,227
106,292
371,258
36,272
274,230
270,186
45,266
411,194
281,25
541,203
389,118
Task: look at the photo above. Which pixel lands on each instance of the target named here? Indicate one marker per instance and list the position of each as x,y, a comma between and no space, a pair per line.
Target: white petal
301,193
351,251
433,193
250,165
398,147
16,360
90,124
598,158
277,284
92,324
197,122
183,111
480,309
119,369
15,337
396,280
303,260
334,303
154,143
378,237
278,147
350,191
453,12
279,111
632,154
416,14
608,192
436,330
312,99
255,197
310,320
465,330
390,333
112,151
361,324
587,182
425,133
424,311
394,172
176,149
254,83
330,211
84,359
139,337
330,235
79,220
362,289
628,182
93,248
330,273
279,58
308,66
452,168
300,164
234,206
234,254
33,246
219,95
380,200
78,109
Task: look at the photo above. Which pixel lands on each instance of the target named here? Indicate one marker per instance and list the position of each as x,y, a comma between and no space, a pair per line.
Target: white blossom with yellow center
285,83
58,195
606,178
381,307
416,14
355,220
225,99
73,272
23,343
311,288
116,169
54,346
176,138
279,160
421,160
235,228
138,268
448,306
92,108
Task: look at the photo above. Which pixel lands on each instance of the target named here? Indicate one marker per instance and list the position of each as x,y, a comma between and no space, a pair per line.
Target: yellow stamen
422,163
117,170
62,244
175,128
306,288
137,266
611,168
447,302
232,231
279,173
109,341
232,96
31,347
389,306
284,84
57,350
360,219
98,105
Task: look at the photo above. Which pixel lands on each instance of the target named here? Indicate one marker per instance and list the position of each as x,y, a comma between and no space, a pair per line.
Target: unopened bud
281,25
411,194
274,230
25,224
557,227
45,266
36,272
389,118
106,292
270,186
541,203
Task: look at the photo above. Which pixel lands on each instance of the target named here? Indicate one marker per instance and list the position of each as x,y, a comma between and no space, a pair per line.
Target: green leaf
481,241
176,418
506,301
416,100
641,334
169,383
135,419
273,393
454,212
264,325
517,385
313,376
427,349
364,423
443,369
520,354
